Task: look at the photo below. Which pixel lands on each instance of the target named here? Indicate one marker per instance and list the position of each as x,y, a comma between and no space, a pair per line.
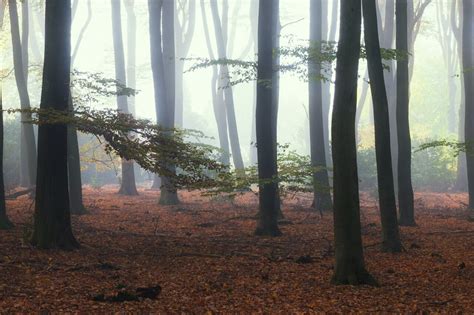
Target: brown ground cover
203,255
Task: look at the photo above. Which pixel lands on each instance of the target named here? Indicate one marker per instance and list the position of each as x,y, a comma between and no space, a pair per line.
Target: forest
236,156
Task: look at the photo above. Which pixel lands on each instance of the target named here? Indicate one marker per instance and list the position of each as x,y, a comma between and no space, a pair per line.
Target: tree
468,71
405,189
27,138
52,223
74,159
388,208
5,223
322,197
350,266
131,51
185,24
221,40
217,99
162,45
266,148
127,185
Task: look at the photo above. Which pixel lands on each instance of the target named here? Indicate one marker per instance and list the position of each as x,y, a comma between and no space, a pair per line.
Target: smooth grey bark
127,185
52,222
162,44
220,28
131,51
405,189
468,66
27,138
456,26
329,28
386,190
267,165
217,99
350,266
185,25
253,14
321,196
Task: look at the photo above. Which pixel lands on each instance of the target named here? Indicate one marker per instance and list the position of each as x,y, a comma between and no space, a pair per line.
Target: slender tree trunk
468,66
228,91
52,226
127,185
73,154
350,266
267,164
27,140
254,27
388,208
322,196
217,96
5,223
405,189
163,66
131,51
185,32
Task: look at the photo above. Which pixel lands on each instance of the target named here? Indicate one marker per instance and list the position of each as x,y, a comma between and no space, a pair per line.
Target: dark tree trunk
5,223
350,266
467,66
52,226
127,185
27,140
388,207
163,66
266,149
221,32
322,196
405,189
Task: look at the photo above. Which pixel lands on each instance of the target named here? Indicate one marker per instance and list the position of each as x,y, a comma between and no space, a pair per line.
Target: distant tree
52,223
217,95
266,148
468,71
162,44
220,27
322,197
405,189
74,159
27,138
127,185
350,266
185,25
131,51
388,207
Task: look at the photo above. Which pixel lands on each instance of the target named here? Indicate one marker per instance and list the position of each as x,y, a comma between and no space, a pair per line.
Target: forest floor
205,258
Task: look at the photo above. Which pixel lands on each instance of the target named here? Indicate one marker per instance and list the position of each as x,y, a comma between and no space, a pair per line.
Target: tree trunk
27,140
322,196
52,226
163,67
468,66
405,189
388,208
217,97
267,164
127,185
74,158
228,91
5,223
350,266
185,31
131,52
